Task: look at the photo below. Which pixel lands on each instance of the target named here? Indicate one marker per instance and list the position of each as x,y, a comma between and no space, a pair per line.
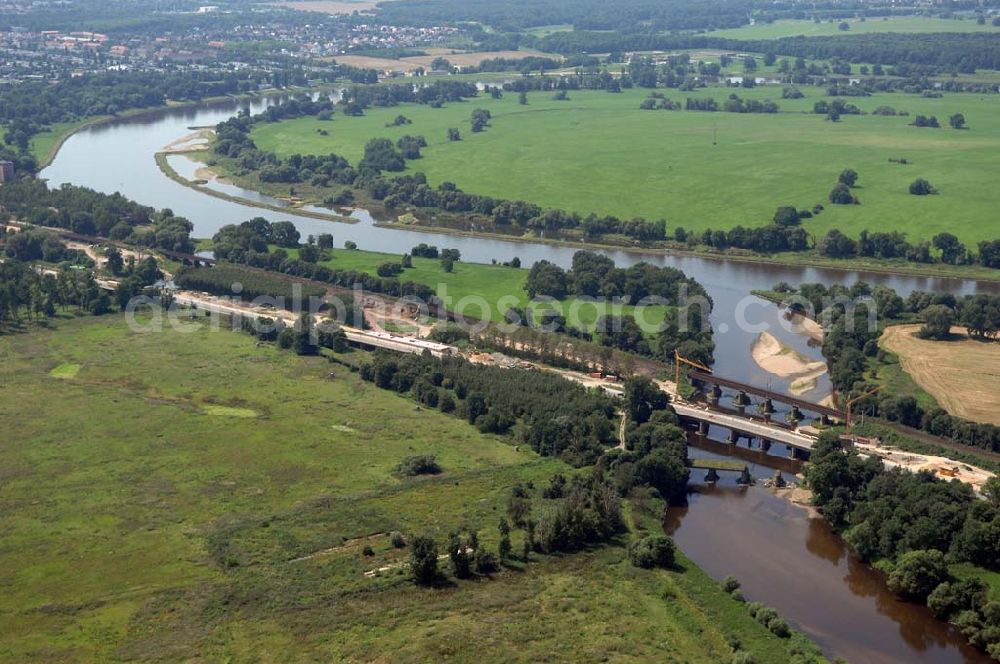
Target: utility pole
851,402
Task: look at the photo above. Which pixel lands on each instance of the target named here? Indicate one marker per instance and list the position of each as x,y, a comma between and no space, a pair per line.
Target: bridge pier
703,428
767,409
734,437
715,395
765,444
795,416
741,402
795,454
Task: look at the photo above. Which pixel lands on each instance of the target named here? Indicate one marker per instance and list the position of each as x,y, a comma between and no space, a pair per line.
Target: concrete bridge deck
745,425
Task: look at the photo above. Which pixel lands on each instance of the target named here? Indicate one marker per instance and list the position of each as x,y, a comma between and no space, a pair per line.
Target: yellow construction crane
678,358
851,402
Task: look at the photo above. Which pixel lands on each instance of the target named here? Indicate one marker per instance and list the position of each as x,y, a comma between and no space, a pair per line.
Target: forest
26,294
914,526
91,213
927,53
31,107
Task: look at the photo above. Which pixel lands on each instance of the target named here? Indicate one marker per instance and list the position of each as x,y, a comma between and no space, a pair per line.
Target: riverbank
414,222
164,165
66,130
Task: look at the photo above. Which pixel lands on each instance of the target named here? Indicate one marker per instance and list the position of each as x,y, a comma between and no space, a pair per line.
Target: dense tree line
596,80
359,97
915,524
893,244
516,15
596,276
88,212
26,294
555,417
850,345
733,104
913,54
221,280
31,107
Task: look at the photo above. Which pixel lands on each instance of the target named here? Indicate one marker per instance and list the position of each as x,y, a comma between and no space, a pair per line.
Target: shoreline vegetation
170,172
70,129
795,260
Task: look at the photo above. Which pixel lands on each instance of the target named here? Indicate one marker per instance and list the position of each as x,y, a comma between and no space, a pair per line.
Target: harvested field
459,59
382,64
963,375
473,59
331,6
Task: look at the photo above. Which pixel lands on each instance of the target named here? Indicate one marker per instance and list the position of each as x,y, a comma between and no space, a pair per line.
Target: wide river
784,558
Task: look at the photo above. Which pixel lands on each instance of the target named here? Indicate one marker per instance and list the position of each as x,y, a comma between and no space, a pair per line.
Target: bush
487,562
921,187
367,551
779,628
652,551
765,615
918,573
420,464
743,657
397,540
389,269
423,560
841,195
730,583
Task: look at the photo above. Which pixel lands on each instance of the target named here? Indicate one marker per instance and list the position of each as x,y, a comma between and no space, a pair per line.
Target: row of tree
893,244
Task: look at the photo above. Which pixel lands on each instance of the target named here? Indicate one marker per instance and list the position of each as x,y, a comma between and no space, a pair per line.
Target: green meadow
188,495
471,284
874,24
597,152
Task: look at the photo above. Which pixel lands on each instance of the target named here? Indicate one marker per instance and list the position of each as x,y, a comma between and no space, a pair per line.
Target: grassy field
470,284
599,153
44,146
809,28
961,374
176,496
